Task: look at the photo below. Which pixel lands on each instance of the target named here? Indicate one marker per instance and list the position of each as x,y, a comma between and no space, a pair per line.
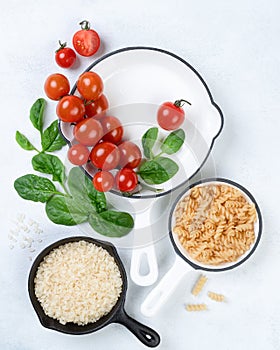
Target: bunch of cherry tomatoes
86,42
97,137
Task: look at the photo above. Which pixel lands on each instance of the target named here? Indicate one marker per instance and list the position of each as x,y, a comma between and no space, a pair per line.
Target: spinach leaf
111,223
158,170
65,211
24,142
51,138
82,190
49,164
148,141
173,142
37,114
34,188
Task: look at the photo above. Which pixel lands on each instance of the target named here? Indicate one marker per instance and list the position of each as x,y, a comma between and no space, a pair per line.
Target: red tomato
96,108
130,155
90,86
86,41
170,116
65,57
70,109
56,86
112,129
126,180
78,154
105,156
88,132
103,181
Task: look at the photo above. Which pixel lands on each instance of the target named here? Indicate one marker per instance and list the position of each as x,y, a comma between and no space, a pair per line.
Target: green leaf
24,142
158,171
148,141
34,188
37,114
173,142
51,138
49,164
83,191
111,223
65,211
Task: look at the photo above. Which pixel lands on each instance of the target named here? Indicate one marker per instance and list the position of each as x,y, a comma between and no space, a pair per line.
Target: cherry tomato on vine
130,155
126,180
86,41
65,57
112,129
96,108
105,156
70,109
56,86
88,132
103,181
78,154
170,116
90,86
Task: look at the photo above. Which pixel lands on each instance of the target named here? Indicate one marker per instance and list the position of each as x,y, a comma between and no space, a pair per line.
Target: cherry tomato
130,155
90,86
170,116
103,181
56,86
70,109
105,156
65,57
78,154
96,108
112,129
126,180
86,41
88,132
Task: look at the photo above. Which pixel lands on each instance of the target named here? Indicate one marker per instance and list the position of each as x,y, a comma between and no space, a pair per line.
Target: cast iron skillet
117,315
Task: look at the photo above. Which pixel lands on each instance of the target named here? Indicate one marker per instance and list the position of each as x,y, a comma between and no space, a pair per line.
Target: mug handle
145,334
158,296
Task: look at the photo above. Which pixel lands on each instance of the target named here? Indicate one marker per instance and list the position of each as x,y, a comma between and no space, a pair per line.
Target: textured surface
235,47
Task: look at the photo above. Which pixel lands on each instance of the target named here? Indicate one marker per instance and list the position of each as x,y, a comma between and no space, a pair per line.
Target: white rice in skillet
78,282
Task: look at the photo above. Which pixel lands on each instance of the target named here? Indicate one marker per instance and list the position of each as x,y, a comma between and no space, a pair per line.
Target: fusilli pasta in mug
215,223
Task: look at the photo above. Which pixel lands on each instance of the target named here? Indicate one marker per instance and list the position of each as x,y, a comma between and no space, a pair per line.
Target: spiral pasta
216,297
215,223
196,307
197,288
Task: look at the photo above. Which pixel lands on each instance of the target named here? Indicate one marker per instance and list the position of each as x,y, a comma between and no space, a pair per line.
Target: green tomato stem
181,102
85,25
61,46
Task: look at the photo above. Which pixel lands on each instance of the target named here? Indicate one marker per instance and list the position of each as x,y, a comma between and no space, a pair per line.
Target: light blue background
235,47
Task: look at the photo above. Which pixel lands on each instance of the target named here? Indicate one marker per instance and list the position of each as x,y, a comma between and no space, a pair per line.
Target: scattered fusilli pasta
196,307
216,296
215,223
197,288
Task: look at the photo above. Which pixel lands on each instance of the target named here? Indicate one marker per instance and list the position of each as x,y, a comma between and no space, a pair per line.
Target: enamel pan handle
158,296
138,256
146,335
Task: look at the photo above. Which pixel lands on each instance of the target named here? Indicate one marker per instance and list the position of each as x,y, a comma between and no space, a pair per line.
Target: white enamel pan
136,81
184,263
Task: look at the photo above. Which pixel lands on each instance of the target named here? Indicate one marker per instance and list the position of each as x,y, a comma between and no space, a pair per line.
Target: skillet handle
146,335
